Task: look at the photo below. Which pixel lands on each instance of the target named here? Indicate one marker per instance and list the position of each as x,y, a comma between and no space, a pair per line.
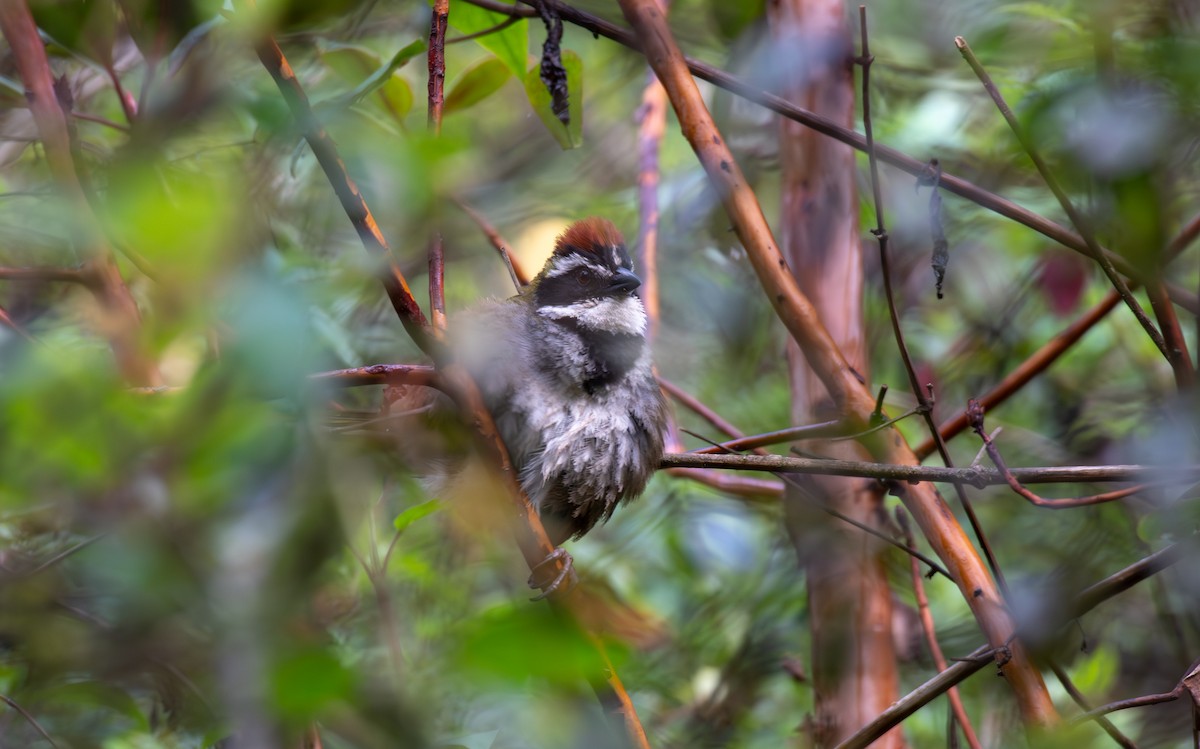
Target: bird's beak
624,280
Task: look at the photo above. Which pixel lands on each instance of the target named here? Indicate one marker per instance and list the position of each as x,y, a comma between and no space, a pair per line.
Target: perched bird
565,370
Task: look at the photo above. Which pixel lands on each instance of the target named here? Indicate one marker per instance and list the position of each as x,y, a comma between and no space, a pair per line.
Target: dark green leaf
477,82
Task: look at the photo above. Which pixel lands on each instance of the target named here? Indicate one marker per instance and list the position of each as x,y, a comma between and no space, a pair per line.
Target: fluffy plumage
566,372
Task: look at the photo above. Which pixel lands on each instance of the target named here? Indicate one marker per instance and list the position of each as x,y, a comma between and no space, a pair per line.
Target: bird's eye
584,277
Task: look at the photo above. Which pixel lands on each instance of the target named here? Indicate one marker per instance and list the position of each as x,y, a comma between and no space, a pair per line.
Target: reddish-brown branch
1188,685
808,432
852,398
695,405
437,63
652,124
1030,368
825,126
347,192
66,275
1177,350
18,27
738,486
437,282
7,321
975,416
381,374
519,276
930,629
1122,740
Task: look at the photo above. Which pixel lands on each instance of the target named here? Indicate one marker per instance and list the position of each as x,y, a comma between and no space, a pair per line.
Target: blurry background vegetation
229,557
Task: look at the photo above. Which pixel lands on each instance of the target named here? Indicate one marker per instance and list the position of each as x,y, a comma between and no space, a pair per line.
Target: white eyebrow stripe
566,264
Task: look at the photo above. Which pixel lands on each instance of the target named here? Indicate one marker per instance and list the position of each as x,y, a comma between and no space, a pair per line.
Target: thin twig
28,718
905,474
490,30
437,63
652,124
1027,370
519,277
935,649
696,406
7,320
437,283
347,191
907,549
1080,700
924,404
1148,699
1083,227
975,415
825,429
66,275
381,374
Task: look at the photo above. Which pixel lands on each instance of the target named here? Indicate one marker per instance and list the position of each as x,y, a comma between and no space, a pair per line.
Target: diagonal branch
347,191
1082,226
937,522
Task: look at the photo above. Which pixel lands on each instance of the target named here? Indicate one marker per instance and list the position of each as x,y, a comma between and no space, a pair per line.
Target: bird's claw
567,571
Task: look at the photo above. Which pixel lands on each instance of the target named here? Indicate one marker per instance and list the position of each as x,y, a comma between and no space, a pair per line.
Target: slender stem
935,649
1080,700
28,718
834,428
491,30
347,191
1027,371
381,374
1083,227
880,232
437,283
901,474
975,414
652,124
519,277
437,63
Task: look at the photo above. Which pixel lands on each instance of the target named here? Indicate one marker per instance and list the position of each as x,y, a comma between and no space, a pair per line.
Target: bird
565,369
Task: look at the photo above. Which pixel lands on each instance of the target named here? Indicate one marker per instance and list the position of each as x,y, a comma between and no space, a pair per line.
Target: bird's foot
566,574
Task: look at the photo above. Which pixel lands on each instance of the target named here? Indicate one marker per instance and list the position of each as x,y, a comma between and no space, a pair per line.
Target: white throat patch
623,314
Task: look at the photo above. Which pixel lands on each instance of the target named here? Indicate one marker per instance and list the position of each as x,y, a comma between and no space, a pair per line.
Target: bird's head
589,281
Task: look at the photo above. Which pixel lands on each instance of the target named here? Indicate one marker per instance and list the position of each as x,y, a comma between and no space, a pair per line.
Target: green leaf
567,136
304,682
370,75
415,513
476,83
497,644
510,45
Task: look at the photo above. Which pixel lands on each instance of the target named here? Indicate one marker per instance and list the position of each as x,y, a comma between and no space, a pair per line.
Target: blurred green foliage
244,555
